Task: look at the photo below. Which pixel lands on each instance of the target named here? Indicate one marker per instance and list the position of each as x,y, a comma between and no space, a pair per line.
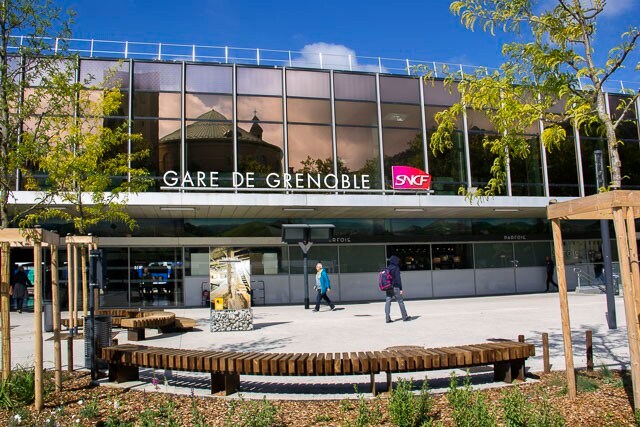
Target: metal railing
97,48
588,282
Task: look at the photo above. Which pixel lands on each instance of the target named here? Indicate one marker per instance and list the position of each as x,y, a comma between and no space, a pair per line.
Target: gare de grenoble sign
404,178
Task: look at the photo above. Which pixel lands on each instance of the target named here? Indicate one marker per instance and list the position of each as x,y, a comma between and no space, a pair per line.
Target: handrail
99,48
591,281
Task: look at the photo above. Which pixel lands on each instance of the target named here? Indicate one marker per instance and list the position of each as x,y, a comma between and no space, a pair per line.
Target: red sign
408,178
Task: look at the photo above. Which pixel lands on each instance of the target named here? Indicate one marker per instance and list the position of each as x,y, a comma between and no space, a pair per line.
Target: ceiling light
178,208
506,210
298,209
409,210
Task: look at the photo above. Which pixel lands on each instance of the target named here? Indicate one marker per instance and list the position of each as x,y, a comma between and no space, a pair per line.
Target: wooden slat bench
117,314
225,367
137,324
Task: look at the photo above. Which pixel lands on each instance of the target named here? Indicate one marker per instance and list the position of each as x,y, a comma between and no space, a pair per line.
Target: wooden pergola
36,238
623,207
78,246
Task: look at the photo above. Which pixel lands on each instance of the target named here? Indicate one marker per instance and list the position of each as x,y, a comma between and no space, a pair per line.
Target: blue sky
420,30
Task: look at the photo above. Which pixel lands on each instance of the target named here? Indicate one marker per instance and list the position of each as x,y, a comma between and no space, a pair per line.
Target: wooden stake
520,338
70,353
633,259
564,307
75,286
545,352
629,304
37,319
55,301
589,345
70,275
5,307
85,286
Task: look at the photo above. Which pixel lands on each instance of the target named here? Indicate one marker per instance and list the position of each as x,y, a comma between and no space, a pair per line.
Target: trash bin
47,308
103,338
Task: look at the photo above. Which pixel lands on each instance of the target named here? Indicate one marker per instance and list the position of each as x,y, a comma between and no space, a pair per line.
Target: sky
418,30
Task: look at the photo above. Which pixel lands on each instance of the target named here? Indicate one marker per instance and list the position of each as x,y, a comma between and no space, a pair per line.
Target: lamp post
305,235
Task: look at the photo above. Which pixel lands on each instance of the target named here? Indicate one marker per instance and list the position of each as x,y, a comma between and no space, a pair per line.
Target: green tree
539,76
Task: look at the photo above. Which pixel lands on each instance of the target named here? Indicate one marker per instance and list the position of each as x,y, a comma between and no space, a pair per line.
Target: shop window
361,259
451,257
494,255
412,257
268,261
327,255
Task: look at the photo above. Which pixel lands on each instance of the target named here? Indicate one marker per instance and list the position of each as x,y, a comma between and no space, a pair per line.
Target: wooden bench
225,367
117,314
137,324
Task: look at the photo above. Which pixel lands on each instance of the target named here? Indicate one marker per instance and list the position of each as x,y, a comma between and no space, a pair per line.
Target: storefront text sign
408,178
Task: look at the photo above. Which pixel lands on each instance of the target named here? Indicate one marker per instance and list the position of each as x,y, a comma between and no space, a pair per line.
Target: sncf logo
408,178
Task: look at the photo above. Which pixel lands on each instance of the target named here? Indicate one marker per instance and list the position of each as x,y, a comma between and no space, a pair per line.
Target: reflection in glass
562,168
208,79
494,255
356,113
532,254
308,111
354,86
116,287
97,96
526,174
94,72
259,81
451,257
196,105
588,146
437,93
308,84
160,159
209,146
448,170
402,147
268,260
481,159
310,149
154,104
630,154
260,149
269,109
157,77
361,258
412,257
401,116
156,277
327,255
399,89
359,152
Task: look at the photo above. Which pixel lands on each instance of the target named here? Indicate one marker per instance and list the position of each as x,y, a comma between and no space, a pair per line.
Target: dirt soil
606,403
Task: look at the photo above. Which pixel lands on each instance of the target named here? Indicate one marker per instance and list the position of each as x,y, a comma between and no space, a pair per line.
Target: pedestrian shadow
267,324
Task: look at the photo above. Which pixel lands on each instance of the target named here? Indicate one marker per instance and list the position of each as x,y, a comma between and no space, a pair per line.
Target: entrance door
530,266
495,267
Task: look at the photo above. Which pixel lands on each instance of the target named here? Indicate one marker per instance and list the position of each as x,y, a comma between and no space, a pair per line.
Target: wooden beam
597,206
55,301
82,240
37,320
28,237
5,305
629,306
564,308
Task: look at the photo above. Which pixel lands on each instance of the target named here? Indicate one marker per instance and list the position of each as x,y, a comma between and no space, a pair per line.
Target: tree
539,80
26,78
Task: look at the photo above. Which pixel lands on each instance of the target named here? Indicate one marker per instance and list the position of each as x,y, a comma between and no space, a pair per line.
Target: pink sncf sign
408,178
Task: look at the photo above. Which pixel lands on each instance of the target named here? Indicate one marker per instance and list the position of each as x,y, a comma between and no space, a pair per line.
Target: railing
585,280
309,58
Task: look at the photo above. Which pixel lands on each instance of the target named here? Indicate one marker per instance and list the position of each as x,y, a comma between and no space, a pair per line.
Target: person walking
550,268
396,291
323,285
20,283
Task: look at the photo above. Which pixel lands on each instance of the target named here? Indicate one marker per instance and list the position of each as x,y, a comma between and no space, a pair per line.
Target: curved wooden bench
117,314
146,319
507,358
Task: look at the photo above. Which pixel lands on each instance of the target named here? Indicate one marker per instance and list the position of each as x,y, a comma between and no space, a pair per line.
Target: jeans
324,296
387,307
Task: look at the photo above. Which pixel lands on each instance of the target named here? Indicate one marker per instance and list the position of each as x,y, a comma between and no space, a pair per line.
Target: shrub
586,384
469,408
367,416
248,413
520,411
407,410
90,410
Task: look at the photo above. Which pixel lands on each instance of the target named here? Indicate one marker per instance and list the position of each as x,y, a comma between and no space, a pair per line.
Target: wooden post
633,258
589,347
55,301
520,338
629,304
85,287
564,307
37,319
75,286
545,353
70,353
5,307
70,286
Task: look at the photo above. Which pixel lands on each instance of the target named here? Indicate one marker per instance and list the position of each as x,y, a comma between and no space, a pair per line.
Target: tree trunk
612,142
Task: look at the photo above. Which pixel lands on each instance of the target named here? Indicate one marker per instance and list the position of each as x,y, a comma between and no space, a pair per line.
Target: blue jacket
325,283
394,270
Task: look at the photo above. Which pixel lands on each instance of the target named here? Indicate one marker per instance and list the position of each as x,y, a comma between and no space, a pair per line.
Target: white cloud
333,56
617,7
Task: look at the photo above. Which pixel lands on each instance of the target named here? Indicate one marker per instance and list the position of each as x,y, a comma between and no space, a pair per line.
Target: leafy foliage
469,408
408,410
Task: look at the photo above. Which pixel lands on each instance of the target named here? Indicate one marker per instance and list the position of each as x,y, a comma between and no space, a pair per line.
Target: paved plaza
362,327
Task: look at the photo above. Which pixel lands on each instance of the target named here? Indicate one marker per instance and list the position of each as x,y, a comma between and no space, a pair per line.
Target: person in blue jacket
396,291
323,285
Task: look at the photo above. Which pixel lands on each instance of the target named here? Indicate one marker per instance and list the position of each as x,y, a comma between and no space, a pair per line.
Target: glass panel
268,261
196,261
399,89
481,161
310,149
157,77
494,255
156,277
162,139
437,93
526,174
154,104
448,170
354,86
259,81
209,79
402,147
575,252
562,169
308,111
209,148
359,152
327,255
116,285
630,154
260,150
401,116
412,257
268,109
452,257
96,97
361,259
588,146
93,72
532,254
308,84
478,122
356,113
209,107
430,121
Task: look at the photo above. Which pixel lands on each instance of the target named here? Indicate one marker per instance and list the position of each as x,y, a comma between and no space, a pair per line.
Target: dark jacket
550,267
20,283
394,270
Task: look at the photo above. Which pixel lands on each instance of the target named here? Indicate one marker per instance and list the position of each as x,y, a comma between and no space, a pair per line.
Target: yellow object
218,303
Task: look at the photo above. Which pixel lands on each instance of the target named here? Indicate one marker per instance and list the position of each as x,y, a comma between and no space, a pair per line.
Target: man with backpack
395,290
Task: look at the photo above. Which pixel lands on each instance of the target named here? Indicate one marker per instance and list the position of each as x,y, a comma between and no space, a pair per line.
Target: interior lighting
298,209
178,208
506,210
409,209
